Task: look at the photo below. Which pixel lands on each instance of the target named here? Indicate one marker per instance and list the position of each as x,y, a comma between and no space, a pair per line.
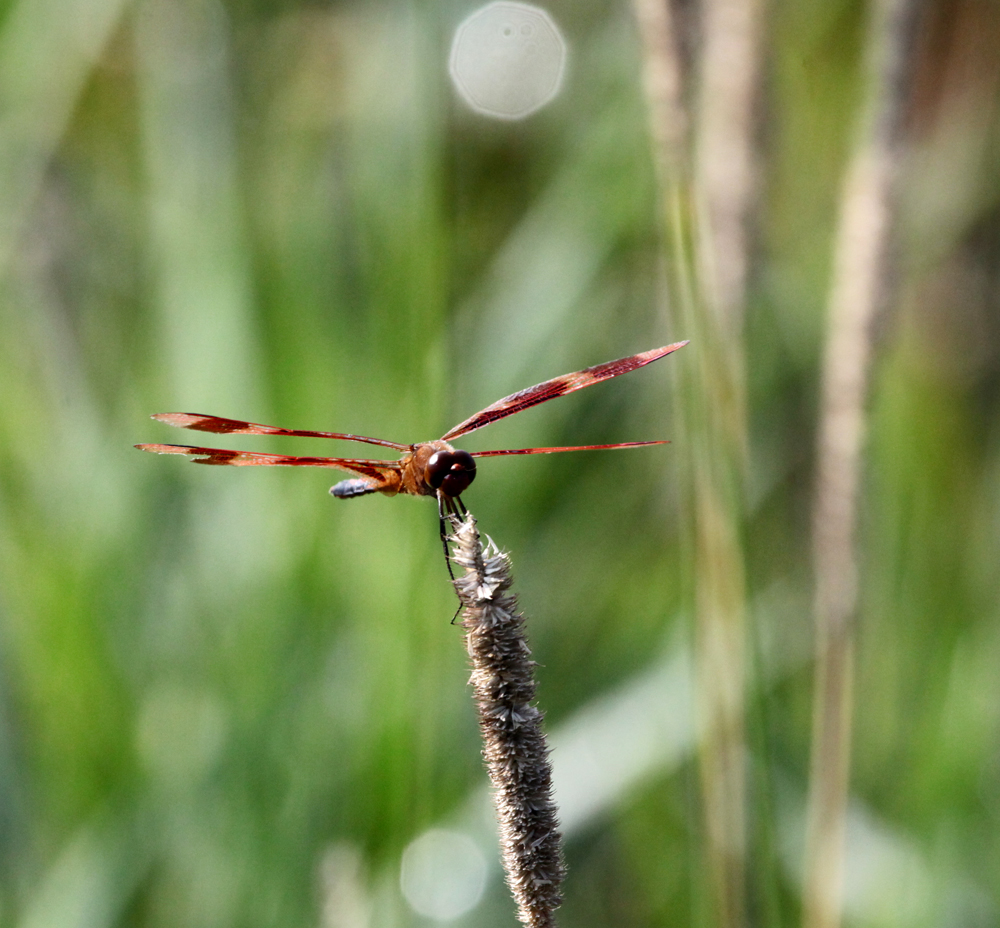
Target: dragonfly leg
444,512
451,510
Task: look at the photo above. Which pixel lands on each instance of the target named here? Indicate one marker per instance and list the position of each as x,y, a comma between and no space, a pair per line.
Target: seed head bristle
515,749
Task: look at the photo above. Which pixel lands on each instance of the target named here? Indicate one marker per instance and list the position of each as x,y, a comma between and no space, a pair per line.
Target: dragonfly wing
624,444
221,426
558,386
380,475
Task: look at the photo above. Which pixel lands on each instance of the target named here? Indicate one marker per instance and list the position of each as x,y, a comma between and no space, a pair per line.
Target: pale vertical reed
725,155
860,288
515,750
706,260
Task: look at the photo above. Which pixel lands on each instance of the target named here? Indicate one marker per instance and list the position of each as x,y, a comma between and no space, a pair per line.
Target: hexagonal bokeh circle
507,59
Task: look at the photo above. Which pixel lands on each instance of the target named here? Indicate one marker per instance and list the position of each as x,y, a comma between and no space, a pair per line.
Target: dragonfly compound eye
450,471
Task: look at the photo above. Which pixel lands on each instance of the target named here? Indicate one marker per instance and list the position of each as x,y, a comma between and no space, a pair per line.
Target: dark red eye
437,468
451,472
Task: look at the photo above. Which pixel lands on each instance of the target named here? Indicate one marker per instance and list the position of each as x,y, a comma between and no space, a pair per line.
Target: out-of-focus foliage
228,699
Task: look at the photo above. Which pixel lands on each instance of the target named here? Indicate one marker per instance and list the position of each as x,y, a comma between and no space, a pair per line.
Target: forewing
624,444
380,473
558,386
221,426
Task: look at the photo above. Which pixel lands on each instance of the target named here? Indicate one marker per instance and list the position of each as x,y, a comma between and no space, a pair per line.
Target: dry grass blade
515,749
725,166
707,197
860,287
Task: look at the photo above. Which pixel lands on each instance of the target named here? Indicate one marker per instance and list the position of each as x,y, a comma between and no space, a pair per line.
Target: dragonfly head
450,471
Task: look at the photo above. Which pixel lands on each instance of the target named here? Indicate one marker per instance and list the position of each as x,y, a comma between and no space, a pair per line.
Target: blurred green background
227,699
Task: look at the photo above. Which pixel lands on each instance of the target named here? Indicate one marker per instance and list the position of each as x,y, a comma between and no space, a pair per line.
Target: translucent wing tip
658,353
181,420
161,449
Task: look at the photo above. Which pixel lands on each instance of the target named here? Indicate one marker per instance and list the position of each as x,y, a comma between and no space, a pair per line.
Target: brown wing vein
557,386
222,426
380,472
624,444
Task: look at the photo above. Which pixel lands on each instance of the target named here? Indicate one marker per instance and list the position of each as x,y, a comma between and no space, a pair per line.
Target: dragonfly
429,468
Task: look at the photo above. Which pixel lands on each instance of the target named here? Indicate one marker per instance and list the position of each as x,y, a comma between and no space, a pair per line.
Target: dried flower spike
514,746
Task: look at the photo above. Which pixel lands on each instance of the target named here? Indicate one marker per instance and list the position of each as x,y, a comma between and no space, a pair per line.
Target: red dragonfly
429,468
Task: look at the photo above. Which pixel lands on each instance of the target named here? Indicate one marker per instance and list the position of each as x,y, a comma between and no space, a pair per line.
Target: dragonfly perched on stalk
428,468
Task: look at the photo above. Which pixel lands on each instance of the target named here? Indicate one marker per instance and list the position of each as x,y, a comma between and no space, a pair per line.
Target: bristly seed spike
515,749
